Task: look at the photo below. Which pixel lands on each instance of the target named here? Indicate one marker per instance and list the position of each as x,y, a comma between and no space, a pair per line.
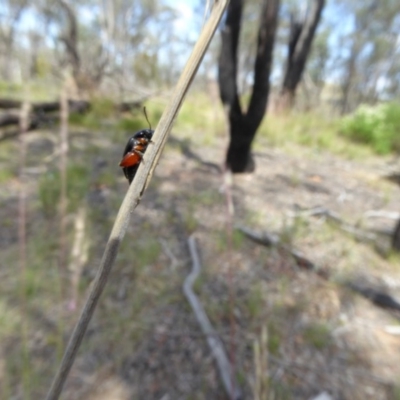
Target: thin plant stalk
63,195
134,195
23,128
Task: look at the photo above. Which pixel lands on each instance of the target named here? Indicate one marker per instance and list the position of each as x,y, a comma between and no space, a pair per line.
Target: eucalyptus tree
244,121
371,70
303,26
11,12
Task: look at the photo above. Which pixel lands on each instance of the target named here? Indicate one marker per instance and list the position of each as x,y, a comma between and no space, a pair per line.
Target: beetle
134,151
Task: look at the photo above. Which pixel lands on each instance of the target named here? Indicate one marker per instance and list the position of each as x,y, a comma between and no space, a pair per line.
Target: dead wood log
270,240
214,342
40,112
359,234
36,121
78,106
45,113
127,106
376,296
14,119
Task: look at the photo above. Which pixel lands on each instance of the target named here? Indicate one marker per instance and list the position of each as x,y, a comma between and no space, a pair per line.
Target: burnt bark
300,40
243,125
396,238
78,106
46,112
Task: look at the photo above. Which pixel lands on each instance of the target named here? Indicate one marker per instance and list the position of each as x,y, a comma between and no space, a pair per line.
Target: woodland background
301,282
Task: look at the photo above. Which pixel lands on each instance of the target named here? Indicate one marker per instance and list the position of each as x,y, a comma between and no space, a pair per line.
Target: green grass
5,175
34,90
255,301
50,189
377,126
310,130
274,338
200,119
396,392
222,240
318,335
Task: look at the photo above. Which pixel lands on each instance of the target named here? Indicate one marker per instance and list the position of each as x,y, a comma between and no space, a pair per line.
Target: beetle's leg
140,154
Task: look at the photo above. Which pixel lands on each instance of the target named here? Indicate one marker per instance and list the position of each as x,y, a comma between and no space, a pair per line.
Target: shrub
377,126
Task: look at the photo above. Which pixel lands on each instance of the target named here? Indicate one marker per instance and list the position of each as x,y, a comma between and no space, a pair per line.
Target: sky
188,23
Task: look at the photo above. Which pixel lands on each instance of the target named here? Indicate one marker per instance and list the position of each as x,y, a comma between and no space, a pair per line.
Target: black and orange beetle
134,151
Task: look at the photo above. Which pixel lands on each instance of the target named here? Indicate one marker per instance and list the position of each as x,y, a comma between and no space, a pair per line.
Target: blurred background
283,163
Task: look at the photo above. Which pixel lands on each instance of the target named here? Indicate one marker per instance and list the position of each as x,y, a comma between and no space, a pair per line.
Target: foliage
378,126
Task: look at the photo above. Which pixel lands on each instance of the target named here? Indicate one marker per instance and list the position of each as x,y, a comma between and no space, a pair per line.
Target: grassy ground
144,341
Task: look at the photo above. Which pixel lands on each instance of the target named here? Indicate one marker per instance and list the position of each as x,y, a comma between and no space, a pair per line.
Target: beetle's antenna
145,114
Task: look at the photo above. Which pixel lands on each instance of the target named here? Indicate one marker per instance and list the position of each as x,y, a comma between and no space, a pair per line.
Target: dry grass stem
260,353
79,255
134,195
23,128
64,112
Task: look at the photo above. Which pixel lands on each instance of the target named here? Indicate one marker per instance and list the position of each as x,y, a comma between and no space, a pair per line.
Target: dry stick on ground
134,195
378,297
269,239
332,216
214,342
382,214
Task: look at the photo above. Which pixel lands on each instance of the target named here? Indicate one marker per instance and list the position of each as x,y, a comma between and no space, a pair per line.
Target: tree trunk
70,40
396,238
243,126
349,78
301,37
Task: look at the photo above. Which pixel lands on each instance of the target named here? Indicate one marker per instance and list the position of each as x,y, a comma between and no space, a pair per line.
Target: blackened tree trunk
396,238
243,125
300,40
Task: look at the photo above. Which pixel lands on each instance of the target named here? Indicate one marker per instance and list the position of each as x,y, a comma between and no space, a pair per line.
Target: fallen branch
269,240
377,297
134,194
40,111
332,216
78,106
47,106
214,342
382,214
